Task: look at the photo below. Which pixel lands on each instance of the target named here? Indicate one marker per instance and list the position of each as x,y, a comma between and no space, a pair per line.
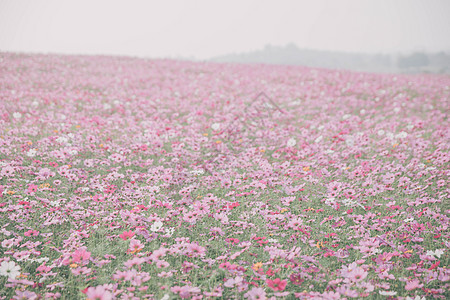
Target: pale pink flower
358,274
135,261
195,250
135,246
413,284
98,293
25,295
256,293
81,255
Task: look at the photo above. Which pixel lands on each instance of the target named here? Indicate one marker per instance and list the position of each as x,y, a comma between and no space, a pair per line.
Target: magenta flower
126,235
296,279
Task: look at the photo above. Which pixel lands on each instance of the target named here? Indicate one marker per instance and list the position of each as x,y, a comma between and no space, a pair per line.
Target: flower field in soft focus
127,178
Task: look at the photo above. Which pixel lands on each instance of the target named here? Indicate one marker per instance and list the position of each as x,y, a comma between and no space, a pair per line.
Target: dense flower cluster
126,178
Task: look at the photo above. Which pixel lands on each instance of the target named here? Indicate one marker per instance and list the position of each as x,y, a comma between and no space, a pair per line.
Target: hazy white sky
206,28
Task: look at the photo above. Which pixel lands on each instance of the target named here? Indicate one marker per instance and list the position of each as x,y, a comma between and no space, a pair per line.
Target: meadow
130,178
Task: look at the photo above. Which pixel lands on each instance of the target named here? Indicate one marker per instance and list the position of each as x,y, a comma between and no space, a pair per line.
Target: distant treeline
418,62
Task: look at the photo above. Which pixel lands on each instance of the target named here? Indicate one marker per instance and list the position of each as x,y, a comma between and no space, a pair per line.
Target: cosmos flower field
127,178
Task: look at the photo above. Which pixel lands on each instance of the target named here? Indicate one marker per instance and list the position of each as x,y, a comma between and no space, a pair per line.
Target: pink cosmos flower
277,284
45,173
82,270
124,275
135,261
164,274
195,250
331,295
126,235
358,274
296,279
25,295
256,293
162,264
7,171
7,243
158,254
135,246
413,284
346,270
186,291
98,293
81,254
217,292
32,188
346,291
231,282
31,233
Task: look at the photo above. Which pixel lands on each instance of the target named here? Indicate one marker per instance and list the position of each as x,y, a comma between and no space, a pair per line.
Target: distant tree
415,60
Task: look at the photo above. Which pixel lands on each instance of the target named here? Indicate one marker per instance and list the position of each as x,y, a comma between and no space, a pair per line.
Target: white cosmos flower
166,297
387,293
345,117
350,142
62,140
401,135
40,260
156,226
318,139
291,142
198,172
215,126
31,153
330,200
17,115
170,231
54,203
437,253
10,269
